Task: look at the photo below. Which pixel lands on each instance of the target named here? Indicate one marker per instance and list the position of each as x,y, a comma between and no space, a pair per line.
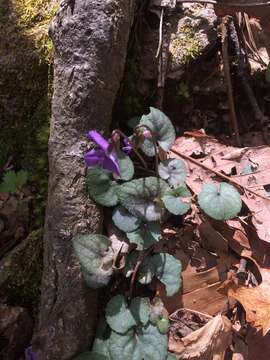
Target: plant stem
124,136
153,138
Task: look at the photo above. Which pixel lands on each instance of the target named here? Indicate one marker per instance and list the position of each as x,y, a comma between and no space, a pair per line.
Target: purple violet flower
105,156
127,148
30,354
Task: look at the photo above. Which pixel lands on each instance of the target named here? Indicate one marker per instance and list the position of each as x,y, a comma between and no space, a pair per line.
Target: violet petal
127,148
99,139
111,163
30,354
94,157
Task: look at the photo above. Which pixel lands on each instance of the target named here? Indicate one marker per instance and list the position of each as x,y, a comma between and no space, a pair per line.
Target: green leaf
140,309
100,186
168,271
162,128
126,167
145,343
142,197
220,202
267,74
13,182
171,356
173,170
163,325
124,220
96,258
173,200
147,235
118,316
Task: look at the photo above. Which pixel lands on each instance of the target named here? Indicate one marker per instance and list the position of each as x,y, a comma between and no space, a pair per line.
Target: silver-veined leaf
173,200
124,220
221,202
145,343
96,258
168,271
126,167
142,197
162,129
173,170
101,187
146,235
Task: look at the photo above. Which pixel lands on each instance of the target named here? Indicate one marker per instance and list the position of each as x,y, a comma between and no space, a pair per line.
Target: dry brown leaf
201,277
208,343
222,158
255,301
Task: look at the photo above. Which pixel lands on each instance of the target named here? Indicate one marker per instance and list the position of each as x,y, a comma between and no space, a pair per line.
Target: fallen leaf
255,301
253,185
209,342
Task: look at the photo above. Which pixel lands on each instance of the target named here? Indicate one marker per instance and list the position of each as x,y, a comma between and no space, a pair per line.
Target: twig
232,181
160,32
228,82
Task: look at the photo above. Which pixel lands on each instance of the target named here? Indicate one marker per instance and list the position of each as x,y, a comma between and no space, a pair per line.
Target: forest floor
222,120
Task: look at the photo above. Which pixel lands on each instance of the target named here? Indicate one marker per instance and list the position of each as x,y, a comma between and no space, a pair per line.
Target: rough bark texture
90,39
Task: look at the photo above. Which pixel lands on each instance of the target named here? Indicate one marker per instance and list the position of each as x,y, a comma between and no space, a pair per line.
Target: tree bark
90,39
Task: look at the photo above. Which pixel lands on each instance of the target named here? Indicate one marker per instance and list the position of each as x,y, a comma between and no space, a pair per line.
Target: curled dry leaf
232,162
209,342
255,301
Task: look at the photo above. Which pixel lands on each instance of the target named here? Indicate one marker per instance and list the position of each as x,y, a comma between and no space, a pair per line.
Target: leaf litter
236,310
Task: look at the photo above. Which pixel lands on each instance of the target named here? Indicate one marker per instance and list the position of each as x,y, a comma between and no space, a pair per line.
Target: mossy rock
24,273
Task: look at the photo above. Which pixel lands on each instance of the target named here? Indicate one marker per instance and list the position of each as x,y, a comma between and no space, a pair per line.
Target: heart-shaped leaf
168,271
143,343
126,166
121,318
124,220
100,186
221,202
173,200
147,235
142,197
96,258
118,315
174,171
140,309
162,129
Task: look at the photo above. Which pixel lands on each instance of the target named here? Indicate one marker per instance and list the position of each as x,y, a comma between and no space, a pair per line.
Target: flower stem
135,150
153,138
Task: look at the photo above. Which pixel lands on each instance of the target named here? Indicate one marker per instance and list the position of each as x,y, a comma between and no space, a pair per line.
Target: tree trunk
90,39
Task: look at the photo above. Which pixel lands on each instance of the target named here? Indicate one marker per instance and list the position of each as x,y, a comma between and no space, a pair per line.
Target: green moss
24,275
33,19
185,46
